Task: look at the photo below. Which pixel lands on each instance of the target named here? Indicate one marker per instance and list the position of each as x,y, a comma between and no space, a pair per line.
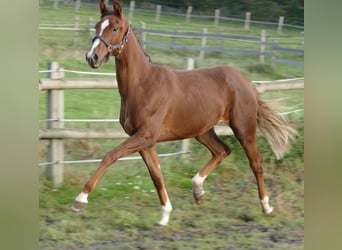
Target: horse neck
131,65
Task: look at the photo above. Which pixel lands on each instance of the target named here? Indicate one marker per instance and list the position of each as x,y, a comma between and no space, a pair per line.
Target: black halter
111,47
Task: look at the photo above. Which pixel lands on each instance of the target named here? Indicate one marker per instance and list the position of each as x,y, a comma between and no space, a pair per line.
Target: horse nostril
92,58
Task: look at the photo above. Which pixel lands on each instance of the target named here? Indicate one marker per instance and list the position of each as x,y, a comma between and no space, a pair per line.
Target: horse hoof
78,206
161,224
268,211
199,197
200,200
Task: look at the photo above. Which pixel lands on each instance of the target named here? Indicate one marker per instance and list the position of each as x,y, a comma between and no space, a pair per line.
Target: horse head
111,35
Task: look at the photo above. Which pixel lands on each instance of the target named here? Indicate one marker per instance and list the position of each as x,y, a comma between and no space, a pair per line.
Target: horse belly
193,120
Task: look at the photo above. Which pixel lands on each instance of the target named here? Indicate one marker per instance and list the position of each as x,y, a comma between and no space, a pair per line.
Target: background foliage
262,10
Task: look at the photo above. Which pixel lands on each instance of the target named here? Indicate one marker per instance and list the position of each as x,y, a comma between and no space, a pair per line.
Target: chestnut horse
161,104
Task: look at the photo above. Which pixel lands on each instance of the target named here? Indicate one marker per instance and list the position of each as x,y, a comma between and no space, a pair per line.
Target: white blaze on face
97,41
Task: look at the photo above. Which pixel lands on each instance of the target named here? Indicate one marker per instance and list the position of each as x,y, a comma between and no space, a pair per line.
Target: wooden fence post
55,4
75,36
77,5
220,41
188,14
203,43
280,24
247,20
131,11
262,45
158,10
55,114
174,39
91,26
185,144
217,17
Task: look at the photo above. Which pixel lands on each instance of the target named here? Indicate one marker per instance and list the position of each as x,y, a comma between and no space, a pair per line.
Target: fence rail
274,46
79,29
110,83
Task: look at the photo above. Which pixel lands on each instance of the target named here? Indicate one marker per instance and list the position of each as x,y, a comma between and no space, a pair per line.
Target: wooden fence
261,52
273,47
56,132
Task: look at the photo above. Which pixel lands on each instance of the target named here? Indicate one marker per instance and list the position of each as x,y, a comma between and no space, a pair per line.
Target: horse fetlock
197,190
80,202
82,197
166,211
267,209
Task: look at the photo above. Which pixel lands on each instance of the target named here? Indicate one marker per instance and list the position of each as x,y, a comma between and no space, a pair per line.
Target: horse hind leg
246,134
219,151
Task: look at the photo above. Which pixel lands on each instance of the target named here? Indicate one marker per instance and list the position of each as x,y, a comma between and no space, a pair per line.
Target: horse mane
137,33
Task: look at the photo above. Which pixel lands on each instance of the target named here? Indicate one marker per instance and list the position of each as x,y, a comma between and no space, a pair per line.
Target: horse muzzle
93,60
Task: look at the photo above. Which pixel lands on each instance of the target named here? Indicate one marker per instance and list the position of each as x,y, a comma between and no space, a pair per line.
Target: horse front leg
152,162
134,144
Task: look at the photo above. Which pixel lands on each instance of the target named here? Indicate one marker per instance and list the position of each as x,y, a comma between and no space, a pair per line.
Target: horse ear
103,7
117,8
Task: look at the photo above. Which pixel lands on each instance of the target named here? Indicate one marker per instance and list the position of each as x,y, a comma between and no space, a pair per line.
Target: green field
124,207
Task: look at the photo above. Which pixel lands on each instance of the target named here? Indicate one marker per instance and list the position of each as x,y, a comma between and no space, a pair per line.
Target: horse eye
115,28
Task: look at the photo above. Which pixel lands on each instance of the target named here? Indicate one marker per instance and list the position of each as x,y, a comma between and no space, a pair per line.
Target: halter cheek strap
111,47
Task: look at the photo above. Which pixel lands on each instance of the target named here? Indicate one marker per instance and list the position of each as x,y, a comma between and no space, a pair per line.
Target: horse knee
258,170
227,151
223,153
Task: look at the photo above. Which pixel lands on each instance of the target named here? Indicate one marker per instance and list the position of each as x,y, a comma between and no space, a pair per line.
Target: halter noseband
111,47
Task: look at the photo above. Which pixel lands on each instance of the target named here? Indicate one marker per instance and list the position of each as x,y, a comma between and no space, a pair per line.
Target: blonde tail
275,128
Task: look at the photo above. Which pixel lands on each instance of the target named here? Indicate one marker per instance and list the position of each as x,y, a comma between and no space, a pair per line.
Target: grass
124,208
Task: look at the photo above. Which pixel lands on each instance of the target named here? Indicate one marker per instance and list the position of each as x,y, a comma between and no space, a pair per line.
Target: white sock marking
198,180
97,41
82,197
166,210
267,208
